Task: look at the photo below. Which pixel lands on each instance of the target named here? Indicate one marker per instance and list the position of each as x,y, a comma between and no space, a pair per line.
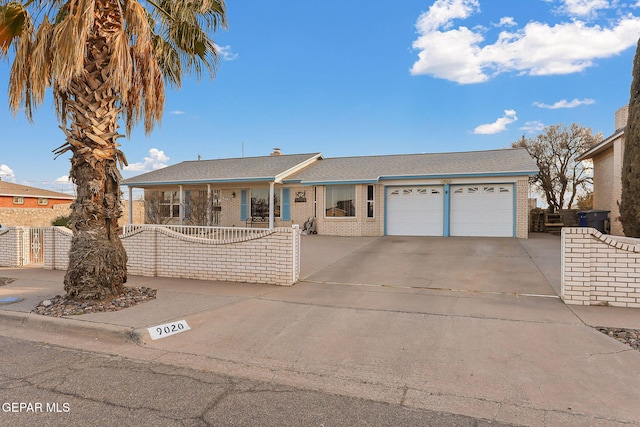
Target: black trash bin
597,219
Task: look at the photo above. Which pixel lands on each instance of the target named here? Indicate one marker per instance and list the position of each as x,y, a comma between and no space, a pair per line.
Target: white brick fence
599,269
270,256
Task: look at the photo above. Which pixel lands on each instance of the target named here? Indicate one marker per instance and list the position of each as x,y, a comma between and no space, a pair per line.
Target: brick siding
522,209
600,269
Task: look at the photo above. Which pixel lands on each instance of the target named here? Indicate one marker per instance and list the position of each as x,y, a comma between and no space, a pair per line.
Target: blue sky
351,78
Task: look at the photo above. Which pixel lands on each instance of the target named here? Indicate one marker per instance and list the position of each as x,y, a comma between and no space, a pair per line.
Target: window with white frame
43,201
370,201
170,206
18,200
340,201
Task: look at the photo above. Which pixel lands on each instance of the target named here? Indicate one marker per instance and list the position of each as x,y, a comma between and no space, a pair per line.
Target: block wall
600,269
11,247
57,242
273,259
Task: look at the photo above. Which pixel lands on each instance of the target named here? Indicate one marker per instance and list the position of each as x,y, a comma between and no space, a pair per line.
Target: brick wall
273,259
57,242
600,269
11,247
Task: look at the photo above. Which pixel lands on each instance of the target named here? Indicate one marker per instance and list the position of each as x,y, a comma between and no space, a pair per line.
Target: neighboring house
607,171
481,193
21,205
22,196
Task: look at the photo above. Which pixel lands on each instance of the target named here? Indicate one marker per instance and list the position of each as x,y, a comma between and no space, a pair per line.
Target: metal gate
32,246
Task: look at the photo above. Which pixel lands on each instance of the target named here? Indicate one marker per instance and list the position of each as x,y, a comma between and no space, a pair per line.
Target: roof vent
276,152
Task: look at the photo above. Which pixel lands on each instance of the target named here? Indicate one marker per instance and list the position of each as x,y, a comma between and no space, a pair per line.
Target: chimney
621,118
276,152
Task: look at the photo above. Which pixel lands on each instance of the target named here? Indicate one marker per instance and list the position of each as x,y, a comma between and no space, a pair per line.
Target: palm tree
106,61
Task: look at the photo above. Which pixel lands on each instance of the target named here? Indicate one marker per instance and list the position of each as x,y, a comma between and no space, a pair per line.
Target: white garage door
415,211
482,210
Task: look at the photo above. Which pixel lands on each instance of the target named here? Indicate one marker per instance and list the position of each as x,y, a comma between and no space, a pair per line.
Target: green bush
62,221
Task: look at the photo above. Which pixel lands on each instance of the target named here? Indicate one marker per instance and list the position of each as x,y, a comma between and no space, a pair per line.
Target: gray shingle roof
264,168
374,168
343,169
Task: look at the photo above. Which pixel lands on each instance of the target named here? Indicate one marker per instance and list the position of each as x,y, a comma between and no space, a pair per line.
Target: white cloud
225,53
498,126
563,103
64,179
6,172
177,112
156,160
459,55
583,8
535,126
507,21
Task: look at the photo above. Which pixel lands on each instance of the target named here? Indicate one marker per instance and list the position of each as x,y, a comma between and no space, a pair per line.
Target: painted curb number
167,329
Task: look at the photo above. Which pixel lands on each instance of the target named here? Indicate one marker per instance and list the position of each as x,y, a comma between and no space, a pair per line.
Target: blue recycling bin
582,219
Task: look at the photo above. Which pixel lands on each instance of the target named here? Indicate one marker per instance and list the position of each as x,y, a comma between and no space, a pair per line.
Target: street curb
69,326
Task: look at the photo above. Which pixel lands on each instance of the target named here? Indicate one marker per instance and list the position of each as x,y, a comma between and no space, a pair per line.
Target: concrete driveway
470,326
492,265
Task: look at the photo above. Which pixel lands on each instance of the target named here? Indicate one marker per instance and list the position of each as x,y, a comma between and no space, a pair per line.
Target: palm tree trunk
97,260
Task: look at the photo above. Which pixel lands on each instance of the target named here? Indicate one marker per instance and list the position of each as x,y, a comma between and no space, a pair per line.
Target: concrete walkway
461,325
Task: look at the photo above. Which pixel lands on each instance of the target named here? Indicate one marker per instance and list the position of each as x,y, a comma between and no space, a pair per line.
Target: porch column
271,204
209,201
131,205
181,210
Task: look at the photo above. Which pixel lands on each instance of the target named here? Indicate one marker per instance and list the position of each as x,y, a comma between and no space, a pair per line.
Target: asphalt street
47,385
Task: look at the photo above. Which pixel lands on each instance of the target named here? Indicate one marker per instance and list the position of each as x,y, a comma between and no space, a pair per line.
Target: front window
42,201
260,203
340,201
17,200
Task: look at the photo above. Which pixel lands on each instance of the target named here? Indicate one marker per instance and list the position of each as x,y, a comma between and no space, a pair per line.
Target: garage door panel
415,211
482,210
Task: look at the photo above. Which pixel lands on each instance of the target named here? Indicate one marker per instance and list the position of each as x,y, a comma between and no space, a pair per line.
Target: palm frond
69,39
19,81
12,23
185,25
41,58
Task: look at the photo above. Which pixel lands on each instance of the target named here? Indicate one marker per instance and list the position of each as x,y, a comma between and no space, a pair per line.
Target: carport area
461,264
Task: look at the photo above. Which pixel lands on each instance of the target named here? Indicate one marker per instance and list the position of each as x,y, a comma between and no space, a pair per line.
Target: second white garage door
482,210
415,211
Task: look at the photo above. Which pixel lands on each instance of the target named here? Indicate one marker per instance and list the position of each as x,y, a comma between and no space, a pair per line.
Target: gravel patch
630,337
61,306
